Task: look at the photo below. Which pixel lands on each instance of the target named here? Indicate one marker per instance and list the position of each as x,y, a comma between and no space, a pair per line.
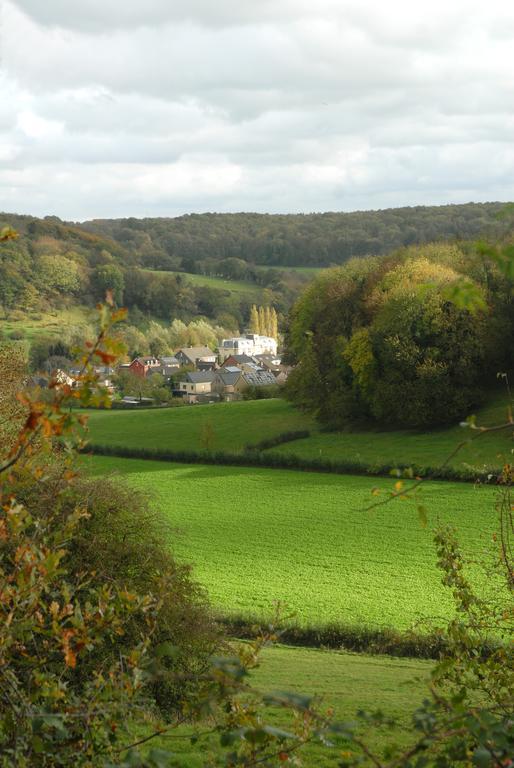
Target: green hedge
352,638
284,437
254,458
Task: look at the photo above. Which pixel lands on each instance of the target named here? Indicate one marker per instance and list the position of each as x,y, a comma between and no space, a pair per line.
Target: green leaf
287,699
482,757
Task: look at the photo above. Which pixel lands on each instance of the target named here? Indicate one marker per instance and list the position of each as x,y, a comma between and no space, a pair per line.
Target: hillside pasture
425,449
258,536
233,425
240,288
47,324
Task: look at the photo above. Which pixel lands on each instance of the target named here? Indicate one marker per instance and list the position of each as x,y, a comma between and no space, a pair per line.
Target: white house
251,344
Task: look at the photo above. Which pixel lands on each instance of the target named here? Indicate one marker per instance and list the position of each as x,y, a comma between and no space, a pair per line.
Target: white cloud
130,108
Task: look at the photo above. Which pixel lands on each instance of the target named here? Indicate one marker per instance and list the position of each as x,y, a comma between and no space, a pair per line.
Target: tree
262,321
274,324
108,277
389,342
254,320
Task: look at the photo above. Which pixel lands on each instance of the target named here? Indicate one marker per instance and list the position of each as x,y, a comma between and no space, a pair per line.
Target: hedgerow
254,458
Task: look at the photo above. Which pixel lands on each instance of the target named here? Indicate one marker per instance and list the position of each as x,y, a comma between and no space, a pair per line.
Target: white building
251,344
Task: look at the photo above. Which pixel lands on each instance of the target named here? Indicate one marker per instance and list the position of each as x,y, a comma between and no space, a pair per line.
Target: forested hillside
196,242
210,265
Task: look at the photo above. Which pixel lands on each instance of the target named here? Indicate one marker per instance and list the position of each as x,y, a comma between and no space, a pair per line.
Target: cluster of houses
197,374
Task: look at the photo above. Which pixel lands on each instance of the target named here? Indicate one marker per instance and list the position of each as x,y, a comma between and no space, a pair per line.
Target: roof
229,377
242,358
200,377
169,361
259,379
193,353
230,369
269,360
146,360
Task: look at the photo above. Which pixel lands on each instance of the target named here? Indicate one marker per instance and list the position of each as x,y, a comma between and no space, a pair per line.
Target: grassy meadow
345,682
236,424
233,425
429,448
256,536
240,288
34,325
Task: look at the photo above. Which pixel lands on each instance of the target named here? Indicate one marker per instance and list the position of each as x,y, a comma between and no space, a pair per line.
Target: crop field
257,536
346,682
233,425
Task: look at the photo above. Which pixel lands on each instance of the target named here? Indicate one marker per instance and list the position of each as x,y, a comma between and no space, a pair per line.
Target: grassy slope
257,536
346,682
234,425
239,287
421,448
47,324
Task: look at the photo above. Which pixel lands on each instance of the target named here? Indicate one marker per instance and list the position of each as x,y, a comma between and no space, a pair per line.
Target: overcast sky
160,107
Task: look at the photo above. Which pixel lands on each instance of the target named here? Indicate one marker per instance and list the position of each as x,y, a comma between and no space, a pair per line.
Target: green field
236,424
346,682
428,449
256,536
233,425
238,287
34,325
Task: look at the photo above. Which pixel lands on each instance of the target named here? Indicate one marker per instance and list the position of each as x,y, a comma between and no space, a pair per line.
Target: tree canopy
387,339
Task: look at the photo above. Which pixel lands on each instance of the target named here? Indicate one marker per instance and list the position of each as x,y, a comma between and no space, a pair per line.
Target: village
243,366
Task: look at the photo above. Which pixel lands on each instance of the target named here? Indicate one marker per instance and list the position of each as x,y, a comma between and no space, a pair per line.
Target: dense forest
197,242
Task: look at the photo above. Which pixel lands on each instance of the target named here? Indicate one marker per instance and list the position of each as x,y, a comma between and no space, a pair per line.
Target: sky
114,108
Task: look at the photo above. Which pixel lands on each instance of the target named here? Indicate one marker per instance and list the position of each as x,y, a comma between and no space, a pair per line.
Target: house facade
195,386
251,344
141,366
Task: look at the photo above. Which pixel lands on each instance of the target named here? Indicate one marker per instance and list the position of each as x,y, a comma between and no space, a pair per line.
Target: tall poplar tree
262,321
254,320
274,323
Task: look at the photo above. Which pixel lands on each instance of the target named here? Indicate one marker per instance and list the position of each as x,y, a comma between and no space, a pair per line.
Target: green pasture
345,682
34,325
238,287
425,449
257,536
236,424
233,425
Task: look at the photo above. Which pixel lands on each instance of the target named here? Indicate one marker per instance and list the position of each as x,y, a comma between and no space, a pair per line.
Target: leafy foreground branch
99,628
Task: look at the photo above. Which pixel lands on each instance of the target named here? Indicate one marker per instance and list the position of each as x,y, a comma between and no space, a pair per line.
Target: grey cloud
158,108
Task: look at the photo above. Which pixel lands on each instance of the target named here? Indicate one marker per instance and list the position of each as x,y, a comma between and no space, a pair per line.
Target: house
251,344
195,386
168,366
196,356
141,366
238,360
229,383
